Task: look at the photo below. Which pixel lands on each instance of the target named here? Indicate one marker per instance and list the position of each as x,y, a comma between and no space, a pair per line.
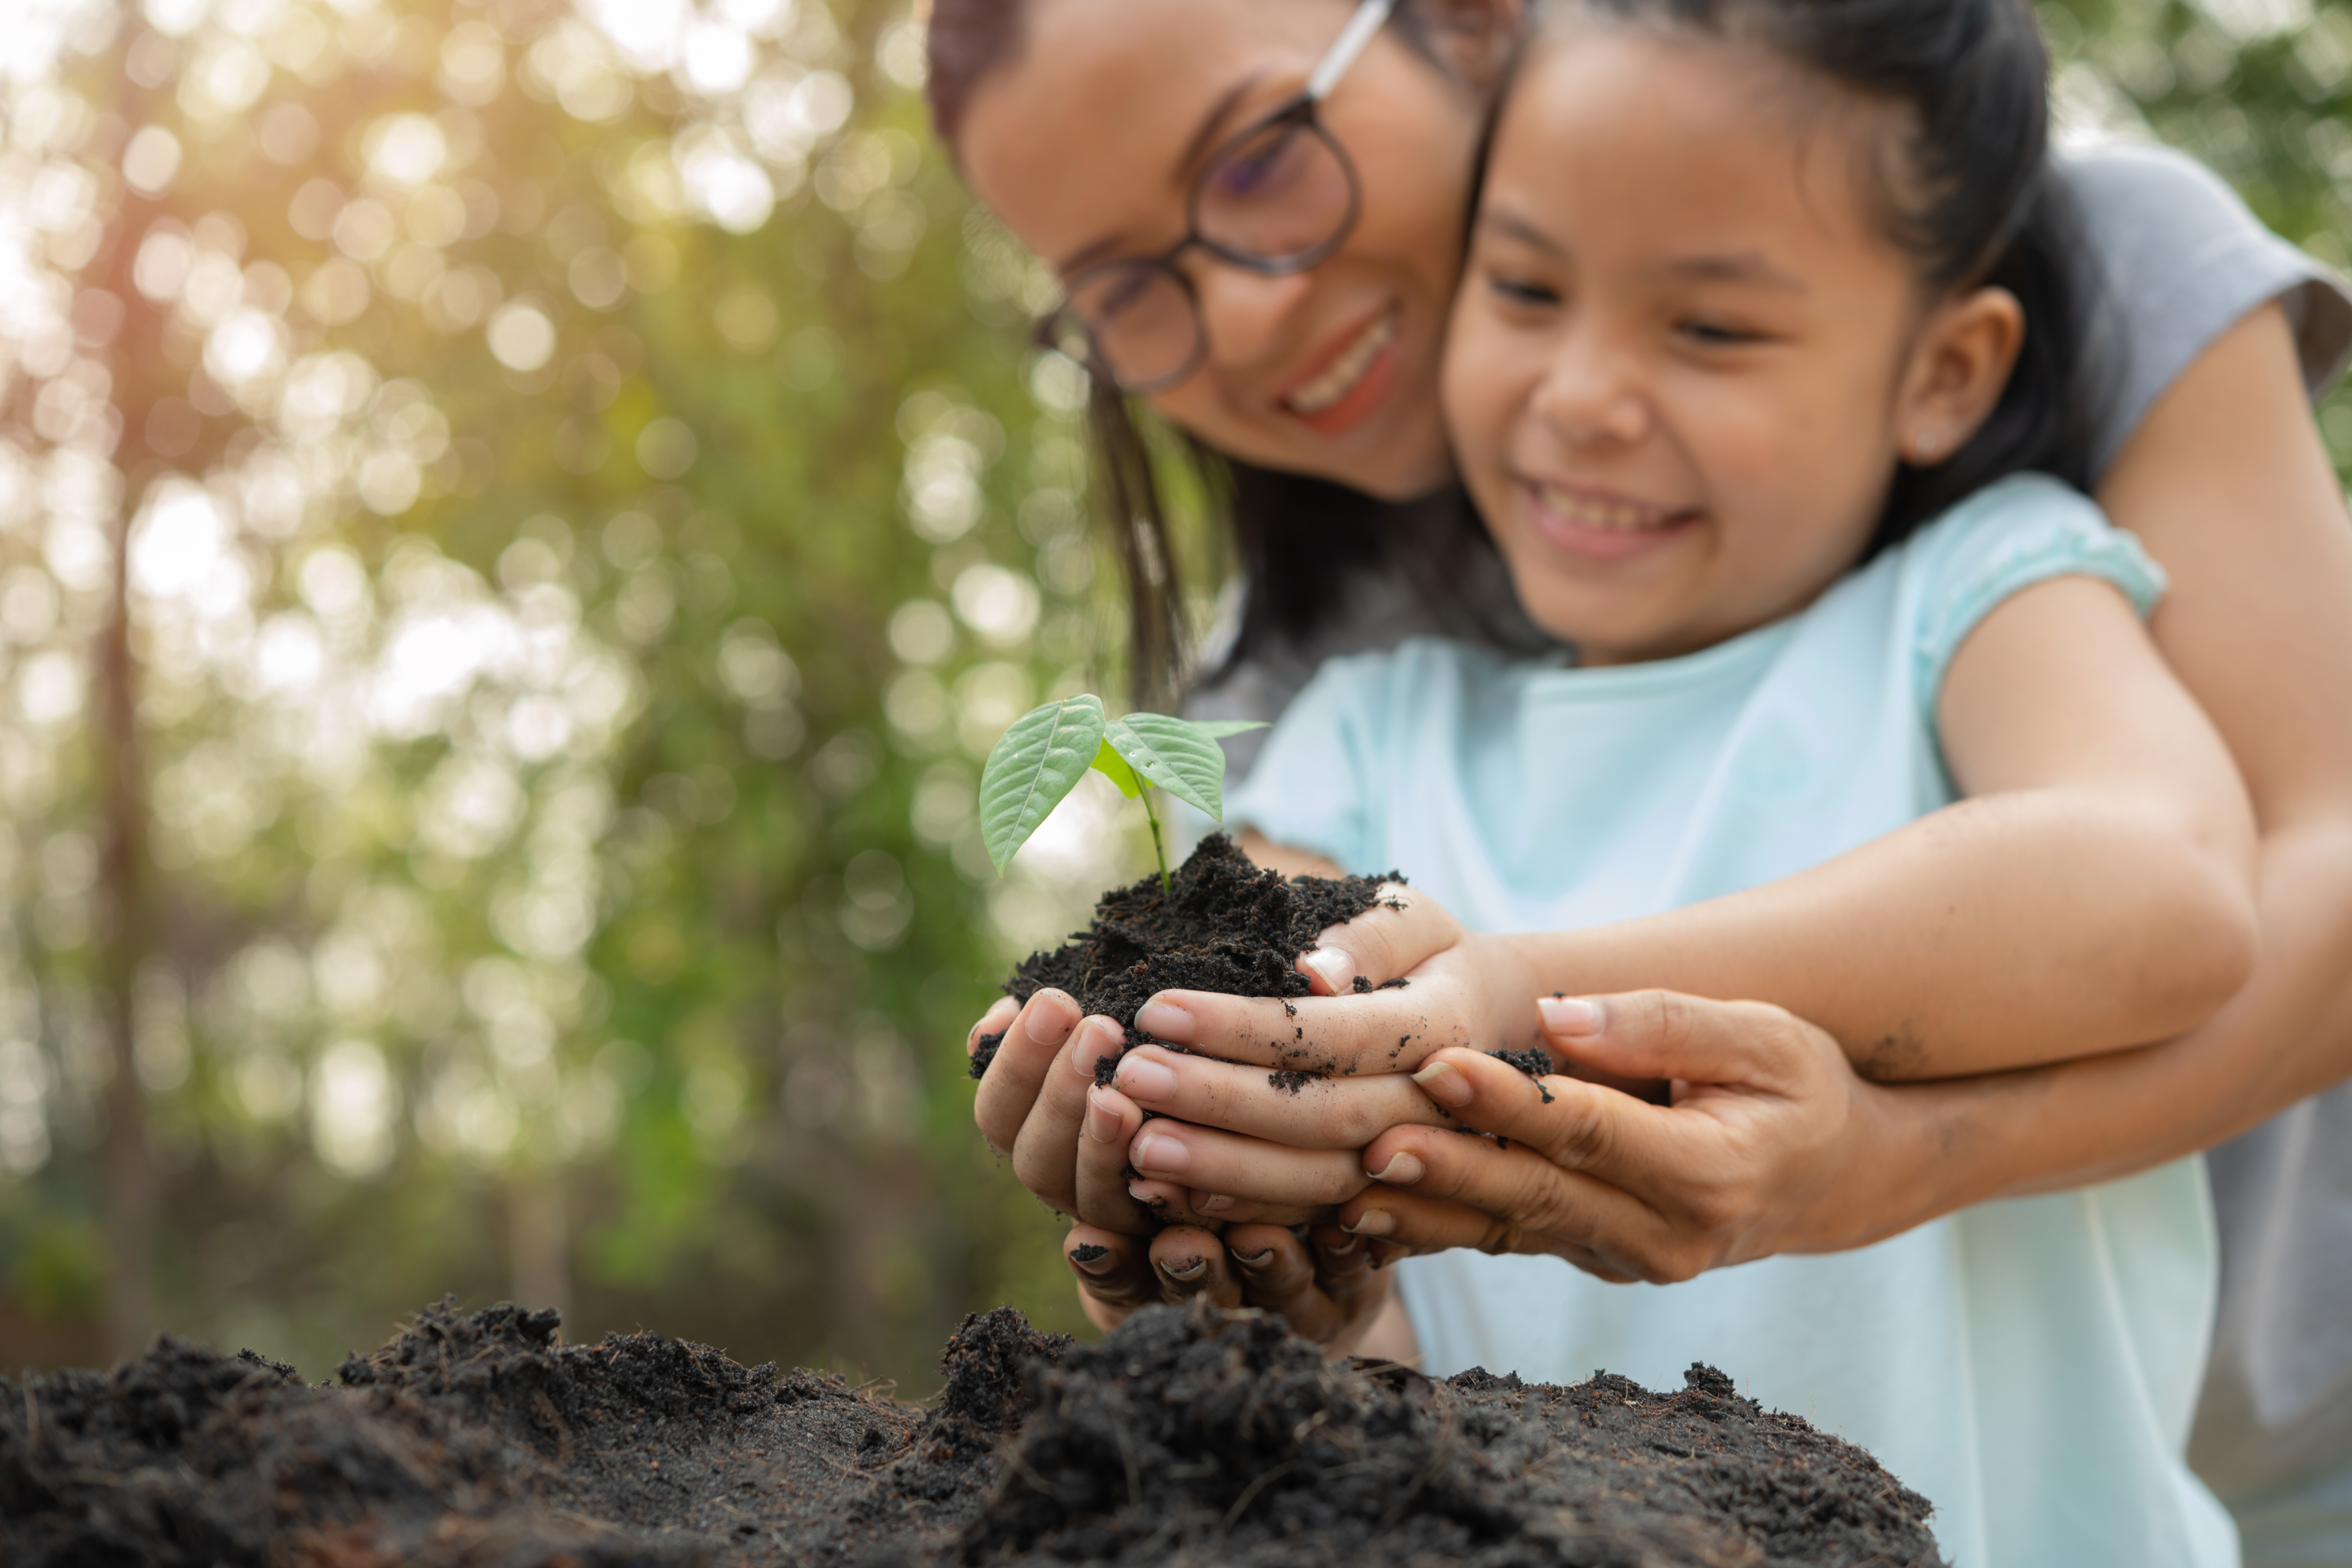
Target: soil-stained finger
1022,1060
1299,1109
1346,1036
1190,1262
1217,1162
1525,1202
1113,1271
1398,934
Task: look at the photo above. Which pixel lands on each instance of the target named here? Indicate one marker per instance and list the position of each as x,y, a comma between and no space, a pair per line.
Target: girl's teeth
1616,517
1340,378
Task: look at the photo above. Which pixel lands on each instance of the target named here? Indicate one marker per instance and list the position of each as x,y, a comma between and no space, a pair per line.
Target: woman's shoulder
2175,257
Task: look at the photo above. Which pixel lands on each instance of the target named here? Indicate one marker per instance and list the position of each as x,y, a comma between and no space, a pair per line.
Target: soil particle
1533,1062
1224,925
1186,1437
1087,1252
1291,1080
983,1053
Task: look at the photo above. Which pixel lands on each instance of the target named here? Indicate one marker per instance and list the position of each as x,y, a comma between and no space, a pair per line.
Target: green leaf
1113,766
1038,760
1218,729
1180,757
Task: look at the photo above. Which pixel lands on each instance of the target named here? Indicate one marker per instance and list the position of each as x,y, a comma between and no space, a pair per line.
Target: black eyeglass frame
1300,110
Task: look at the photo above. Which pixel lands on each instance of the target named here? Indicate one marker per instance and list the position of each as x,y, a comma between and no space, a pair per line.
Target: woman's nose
1246,314
1590,396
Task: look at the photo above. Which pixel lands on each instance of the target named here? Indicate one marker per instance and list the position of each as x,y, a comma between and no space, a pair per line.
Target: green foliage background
558,875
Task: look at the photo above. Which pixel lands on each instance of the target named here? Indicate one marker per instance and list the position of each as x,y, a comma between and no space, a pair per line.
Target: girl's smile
1686,357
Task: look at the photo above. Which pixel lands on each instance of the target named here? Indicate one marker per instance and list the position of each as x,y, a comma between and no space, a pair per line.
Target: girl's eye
1716,334
1522,291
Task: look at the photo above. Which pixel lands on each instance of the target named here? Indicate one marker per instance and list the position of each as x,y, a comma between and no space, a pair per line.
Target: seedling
1047,750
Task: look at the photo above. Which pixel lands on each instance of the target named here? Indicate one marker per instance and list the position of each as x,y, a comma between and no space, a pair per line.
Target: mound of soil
1221,924
1184,1437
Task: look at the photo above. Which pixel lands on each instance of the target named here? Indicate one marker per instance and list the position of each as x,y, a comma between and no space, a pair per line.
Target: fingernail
1331,966
1160,1155
1102,1125
1186,1272
1257,1263
1444,1085
1051,1025
1402,1171
1165,1021
1375,1222
1216,1203
1146,1080
1569,1015
1141,1192
1102,1039
1094,1259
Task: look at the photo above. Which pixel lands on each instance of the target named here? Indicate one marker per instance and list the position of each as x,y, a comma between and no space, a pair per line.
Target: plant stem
1158,848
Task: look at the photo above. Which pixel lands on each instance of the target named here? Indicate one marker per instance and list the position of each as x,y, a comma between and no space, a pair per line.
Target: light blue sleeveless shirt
2031,1365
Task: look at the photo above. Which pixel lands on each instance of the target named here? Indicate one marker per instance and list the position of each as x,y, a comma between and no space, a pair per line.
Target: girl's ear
1958,367
1473,38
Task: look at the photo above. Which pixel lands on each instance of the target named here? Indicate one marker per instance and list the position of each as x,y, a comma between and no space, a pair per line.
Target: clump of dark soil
1223,925
1184,1438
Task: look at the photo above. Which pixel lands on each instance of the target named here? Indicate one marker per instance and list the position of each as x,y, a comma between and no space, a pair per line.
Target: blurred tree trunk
122,932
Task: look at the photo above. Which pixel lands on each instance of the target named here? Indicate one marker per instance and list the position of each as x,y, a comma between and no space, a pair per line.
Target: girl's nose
1589,398
1247,315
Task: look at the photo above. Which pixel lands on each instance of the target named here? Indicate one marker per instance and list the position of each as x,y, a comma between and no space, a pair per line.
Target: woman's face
1086,143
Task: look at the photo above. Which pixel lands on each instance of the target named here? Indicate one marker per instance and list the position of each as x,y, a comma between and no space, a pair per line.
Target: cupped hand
1328,1286
1765,1147
1399,981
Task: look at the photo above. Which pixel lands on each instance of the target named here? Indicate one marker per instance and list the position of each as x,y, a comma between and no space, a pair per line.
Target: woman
1306,355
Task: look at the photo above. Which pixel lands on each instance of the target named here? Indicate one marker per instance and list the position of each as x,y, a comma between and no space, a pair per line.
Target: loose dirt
1223,925
1185,1437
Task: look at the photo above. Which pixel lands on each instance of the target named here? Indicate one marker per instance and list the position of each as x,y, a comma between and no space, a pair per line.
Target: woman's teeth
1591,511
1340,376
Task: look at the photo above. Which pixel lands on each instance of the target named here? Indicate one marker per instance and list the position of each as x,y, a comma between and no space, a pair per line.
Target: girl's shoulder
2018,532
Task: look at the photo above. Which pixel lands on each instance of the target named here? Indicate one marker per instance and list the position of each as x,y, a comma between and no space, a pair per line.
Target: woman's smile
1348,383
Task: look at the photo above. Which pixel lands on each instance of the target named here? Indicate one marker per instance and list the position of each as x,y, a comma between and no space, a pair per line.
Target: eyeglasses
1275,199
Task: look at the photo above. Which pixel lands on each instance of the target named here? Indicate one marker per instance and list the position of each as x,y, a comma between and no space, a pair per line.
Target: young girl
1765,328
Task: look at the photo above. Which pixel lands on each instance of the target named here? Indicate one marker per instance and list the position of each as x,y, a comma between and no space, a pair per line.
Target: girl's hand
1769,1145
1068,1140
1456,989
1330,1288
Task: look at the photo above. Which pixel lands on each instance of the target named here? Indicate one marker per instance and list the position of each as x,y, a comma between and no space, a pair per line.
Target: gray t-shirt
2180,260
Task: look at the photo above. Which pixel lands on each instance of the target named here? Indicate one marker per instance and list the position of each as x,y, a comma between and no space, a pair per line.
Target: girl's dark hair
1299,540
1969,192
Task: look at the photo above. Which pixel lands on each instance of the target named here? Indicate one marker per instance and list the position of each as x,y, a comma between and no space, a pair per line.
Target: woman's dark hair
1299,540
1969,193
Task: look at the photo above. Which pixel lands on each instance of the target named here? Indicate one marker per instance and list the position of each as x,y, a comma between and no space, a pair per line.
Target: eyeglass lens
1275,201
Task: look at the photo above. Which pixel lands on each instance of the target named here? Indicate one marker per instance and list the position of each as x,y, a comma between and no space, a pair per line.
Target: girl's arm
2092,893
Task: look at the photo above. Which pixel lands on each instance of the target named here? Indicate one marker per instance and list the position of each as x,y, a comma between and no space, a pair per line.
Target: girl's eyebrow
1509,224
1203,139
1738,267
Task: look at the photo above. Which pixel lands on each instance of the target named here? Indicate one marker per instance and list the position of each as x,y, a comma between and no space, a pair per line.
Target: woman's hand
1768,1145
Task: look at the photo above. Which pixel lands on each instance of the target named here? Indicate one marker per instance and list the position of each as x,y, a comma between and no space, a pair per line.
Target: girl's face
1086,142
1684,355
